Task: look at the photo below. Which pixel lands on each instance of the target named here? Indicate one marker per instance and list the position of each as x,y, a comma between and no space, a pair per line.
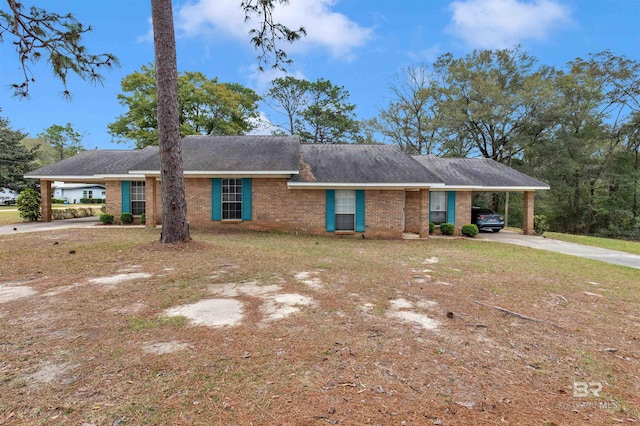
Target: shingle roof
362,164
234,153
479,172
96,162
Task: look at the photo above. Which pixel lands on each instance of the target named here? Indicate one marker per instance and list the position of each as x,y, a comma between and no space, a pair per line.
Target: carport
465,176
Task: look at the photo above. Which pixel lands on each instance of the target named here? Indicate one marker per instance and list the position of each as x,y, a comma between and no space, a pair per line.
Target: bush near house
92,200
143,218
29,205
470,230
447,228
126,218
106,218
71,213
58,201
540,224
432,227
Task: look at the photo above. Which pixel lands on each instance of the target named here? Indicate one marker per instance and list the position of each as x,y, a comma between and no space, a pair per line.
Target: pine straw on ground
82,352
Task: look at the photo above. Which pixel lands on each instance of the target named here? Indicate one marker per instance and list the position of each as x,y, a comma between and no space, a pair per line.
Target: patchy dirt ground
105,327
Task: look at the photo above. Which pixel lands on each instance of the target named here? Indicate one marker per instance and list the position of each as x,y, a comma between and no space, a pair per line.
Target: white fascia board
492,188
214,173
81,179
121,177
333,185
512,188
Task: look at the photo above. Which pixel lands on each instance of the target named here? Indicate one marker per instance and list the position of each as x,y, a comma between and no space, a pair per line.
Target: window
345,210
231,199
137,198
87,194
438,207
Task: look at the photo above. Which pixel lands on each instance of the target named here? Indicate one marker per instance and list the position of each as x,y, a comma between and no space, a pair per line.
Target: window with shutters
438,207
137,198
231,199
345,210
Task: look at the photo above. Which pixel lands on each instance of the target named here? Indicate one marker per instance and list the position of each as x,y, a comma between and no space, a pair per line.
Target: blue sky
357,44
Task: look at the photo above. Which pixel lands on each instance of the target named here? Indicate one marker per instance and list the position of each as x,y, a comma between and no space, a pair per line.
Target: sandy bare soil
103,327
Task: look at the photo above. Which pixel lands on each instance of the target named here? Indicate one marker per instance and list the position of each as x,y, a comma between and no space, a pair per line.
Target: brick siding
463,209
276,207
412,212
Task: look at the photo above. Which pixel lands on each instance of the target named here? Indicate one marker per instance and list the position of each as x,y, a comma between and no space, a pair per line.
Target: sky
360,45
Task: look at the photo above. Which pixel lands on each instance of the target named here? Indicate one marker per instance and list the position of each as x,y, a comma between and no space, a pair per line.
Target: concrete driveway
19,228
588,252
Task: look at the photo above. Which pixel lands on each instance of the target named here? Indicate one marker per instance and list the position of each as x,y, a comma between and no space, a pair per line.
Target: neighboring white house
74,192
7,194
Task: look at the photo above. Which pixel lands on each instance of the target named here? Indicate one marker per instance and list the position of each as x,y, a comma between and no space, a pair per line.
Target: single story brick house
276,183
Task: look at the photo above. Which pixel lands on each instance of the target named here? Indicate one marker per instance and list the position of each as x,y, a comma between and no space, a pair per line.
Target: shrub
92,200
29,205
126,218
106,218
470,230
447,228
58,201
540,225
432,227
143,218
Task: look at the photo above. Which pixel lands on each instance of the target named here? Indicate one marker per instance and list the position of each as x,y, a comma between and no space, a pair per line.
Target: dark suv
9,202
487,219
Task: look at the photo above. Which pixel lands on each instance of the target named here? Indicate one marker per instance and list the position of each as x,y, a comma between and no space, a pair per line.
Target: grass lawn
97,327
608,243
9,214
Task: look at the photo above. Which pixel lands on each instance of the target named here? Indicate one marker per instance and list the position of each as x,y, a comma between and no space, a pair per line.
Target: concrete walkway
573,249
19,228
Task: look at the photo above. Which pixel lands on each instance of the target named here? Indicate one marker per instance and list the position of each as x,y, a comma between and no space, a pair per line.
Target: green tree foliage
205,107
575,128
37,33
317,111
15,159
45,153
28,204
65,141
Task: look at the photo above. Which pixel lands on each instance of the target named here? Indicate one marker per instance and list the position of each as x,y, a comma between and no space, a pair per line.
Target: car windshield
484,211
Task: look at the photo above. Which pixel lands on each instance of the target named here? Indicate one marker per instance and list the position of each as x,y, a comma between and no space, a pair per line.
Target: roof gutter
356,185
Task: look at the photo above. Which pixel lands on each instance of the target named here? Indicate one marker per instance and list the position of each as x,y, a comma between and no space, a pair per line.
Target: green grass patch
632,247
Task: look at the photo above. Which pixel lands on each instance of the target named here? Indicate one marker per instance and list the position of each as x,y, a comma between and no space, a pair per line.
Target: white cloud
326,29
429,54
497,24
260,81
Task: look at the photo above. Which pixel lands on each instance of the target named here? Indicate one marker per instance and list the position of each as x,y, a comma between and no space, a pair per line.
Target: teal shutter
246,199
330,210
126,196
451,207
216,199
360,210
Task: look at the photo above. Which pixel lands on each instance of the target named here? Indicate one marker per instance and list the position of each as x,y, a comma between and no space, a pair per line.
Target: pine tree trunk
174,206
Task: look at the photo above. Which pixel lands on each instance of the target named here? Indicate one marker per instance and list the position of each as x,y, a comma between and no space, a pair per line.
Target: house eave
478,188
360,185
227,173
62,178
